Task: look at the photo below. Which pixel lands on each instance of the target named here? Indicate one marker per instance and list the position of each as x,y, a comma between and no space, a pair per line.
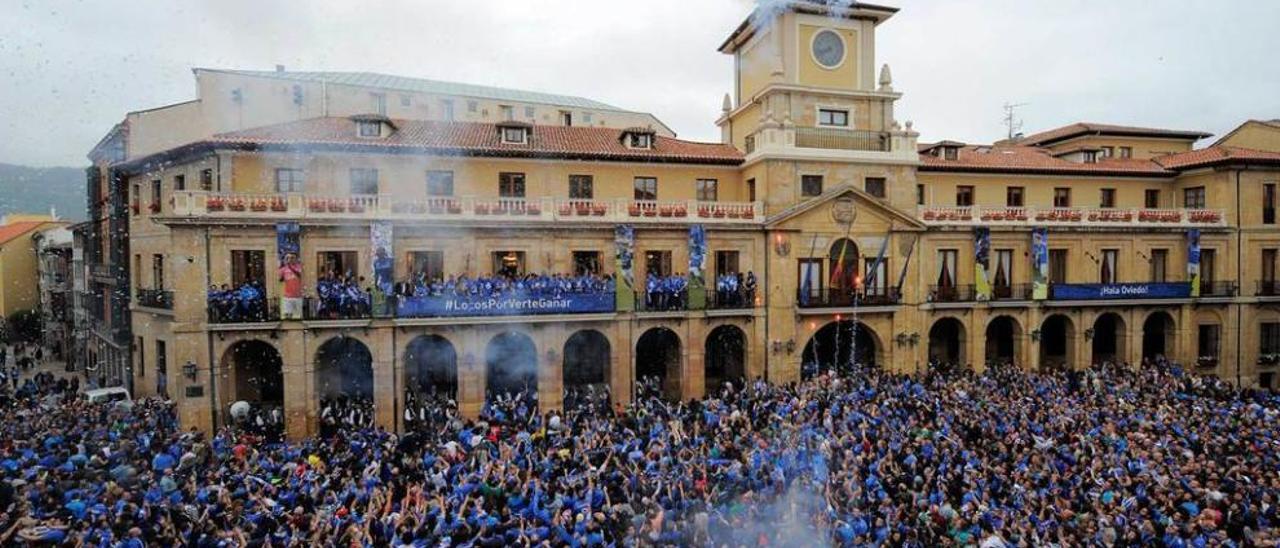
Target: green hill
36,189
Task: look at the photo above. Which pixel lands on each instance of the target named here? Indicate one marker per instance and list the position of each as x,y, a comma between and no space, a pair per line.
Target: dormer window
1090,156
638,137
950,153
514,136
368,128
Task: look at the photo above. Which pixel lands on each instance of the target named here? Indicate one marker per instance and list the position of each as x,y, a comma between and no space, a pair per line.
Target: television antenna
1011,121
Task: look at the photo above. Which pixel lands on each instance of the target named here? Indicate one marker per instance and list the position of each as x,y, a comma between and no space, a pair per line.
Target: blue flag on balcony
697,263
1039,263
1193,260
624,246
982,263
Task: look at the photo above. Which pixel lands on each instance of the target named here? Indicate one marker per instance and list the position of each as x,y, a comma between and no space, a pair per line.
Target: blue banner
697,262
514,303
1095,292
1193,260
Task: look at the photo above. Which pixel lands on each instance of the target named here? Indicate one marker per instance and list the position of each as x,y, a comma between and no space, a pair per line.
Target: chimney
279,68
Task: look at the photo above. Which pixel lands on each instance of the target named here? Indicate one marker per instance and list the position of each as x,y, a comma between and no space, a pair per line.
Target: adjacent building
278,257
54,270
19,278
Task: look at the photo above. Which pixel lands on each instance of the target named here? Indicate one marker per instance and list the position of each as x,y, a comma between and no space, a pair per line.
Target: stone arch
658,360
257,372
344,367
587,357
1158,335
431,366
725,358
511,364
947,340
1004,340
839,345
1110,338
1057,342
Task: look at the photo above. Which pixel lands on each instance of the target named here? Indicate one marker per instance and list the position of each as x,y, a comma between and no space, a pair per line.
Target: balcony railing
731,301
1268,288
1218,289
842,139
662,302
155,298
840,298
1011,292
464,208
237,311
951,293
1069,217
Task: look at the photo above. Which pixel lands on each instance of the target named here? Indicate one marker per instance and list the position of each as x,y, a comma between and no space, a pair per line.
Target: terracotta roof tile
1082,128
1024,159
12,231
1217,154
481,139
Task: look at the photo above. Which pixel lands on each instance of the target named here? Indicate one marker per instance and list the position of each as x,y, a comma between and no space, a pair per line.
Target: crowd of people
244,303
340,296
1112,456
535,285
666,292
734,290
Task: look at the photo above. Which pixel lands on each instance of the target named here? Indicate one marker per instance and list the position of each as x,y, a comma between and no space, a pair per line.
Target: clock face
828,48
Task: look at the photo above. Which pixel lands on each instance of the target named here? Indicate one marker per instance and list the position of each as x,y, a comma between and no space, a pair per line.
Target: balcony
232,311
951,294
155,298
1268,288
1071,217
293,207
845,298
101,271
1218,289
842,139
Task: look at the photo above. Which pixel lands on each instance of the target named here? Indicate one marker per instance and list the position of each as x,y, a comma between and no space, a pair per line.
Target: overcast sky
71,69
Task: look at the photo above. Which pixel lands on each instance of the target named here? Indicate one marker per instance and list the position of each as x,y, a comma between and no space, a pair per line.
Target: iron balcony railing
840,298
731,301
842,139
155,298
226,311
1219,289
314,308
951,293
662,301
1268,288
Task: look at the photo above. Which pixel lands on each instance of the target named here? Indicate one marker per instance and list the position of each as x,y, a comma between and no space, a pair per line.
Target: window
206,180
405,101
566,118
162,367
446,109
337,263
248,265
1269,204
439,183
426,265
1090,156
364,181
581,187
1108,198
137,270
1151,198
289,180
586,263
1269,338
586,118
1208,265
179,182
1002,277
472,106
508,263
706,189
1210,343
142,353
155,195
947,268
919,194
1159,263
369,128
1057,266
875,275
513,135
379,103
1061,197
874,186
1013,196
1126,152
1193,198
641,140
964,196
1107,266
751,190
833,117
810,185
657,263
511,185
950,153
646,188
726,263
507,111
1268,269
157,271
1108,152
529,112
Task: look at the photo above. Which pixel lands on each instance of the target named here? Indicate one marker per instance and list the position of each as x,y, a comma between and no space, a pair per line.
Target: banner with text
518,303
1095,292
288,252
1039,264
982,263
383,263
624,249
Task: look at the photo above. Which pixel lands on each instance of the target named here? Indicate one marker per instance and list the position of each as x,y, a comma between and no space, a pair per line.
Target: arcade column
301,403
551,369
